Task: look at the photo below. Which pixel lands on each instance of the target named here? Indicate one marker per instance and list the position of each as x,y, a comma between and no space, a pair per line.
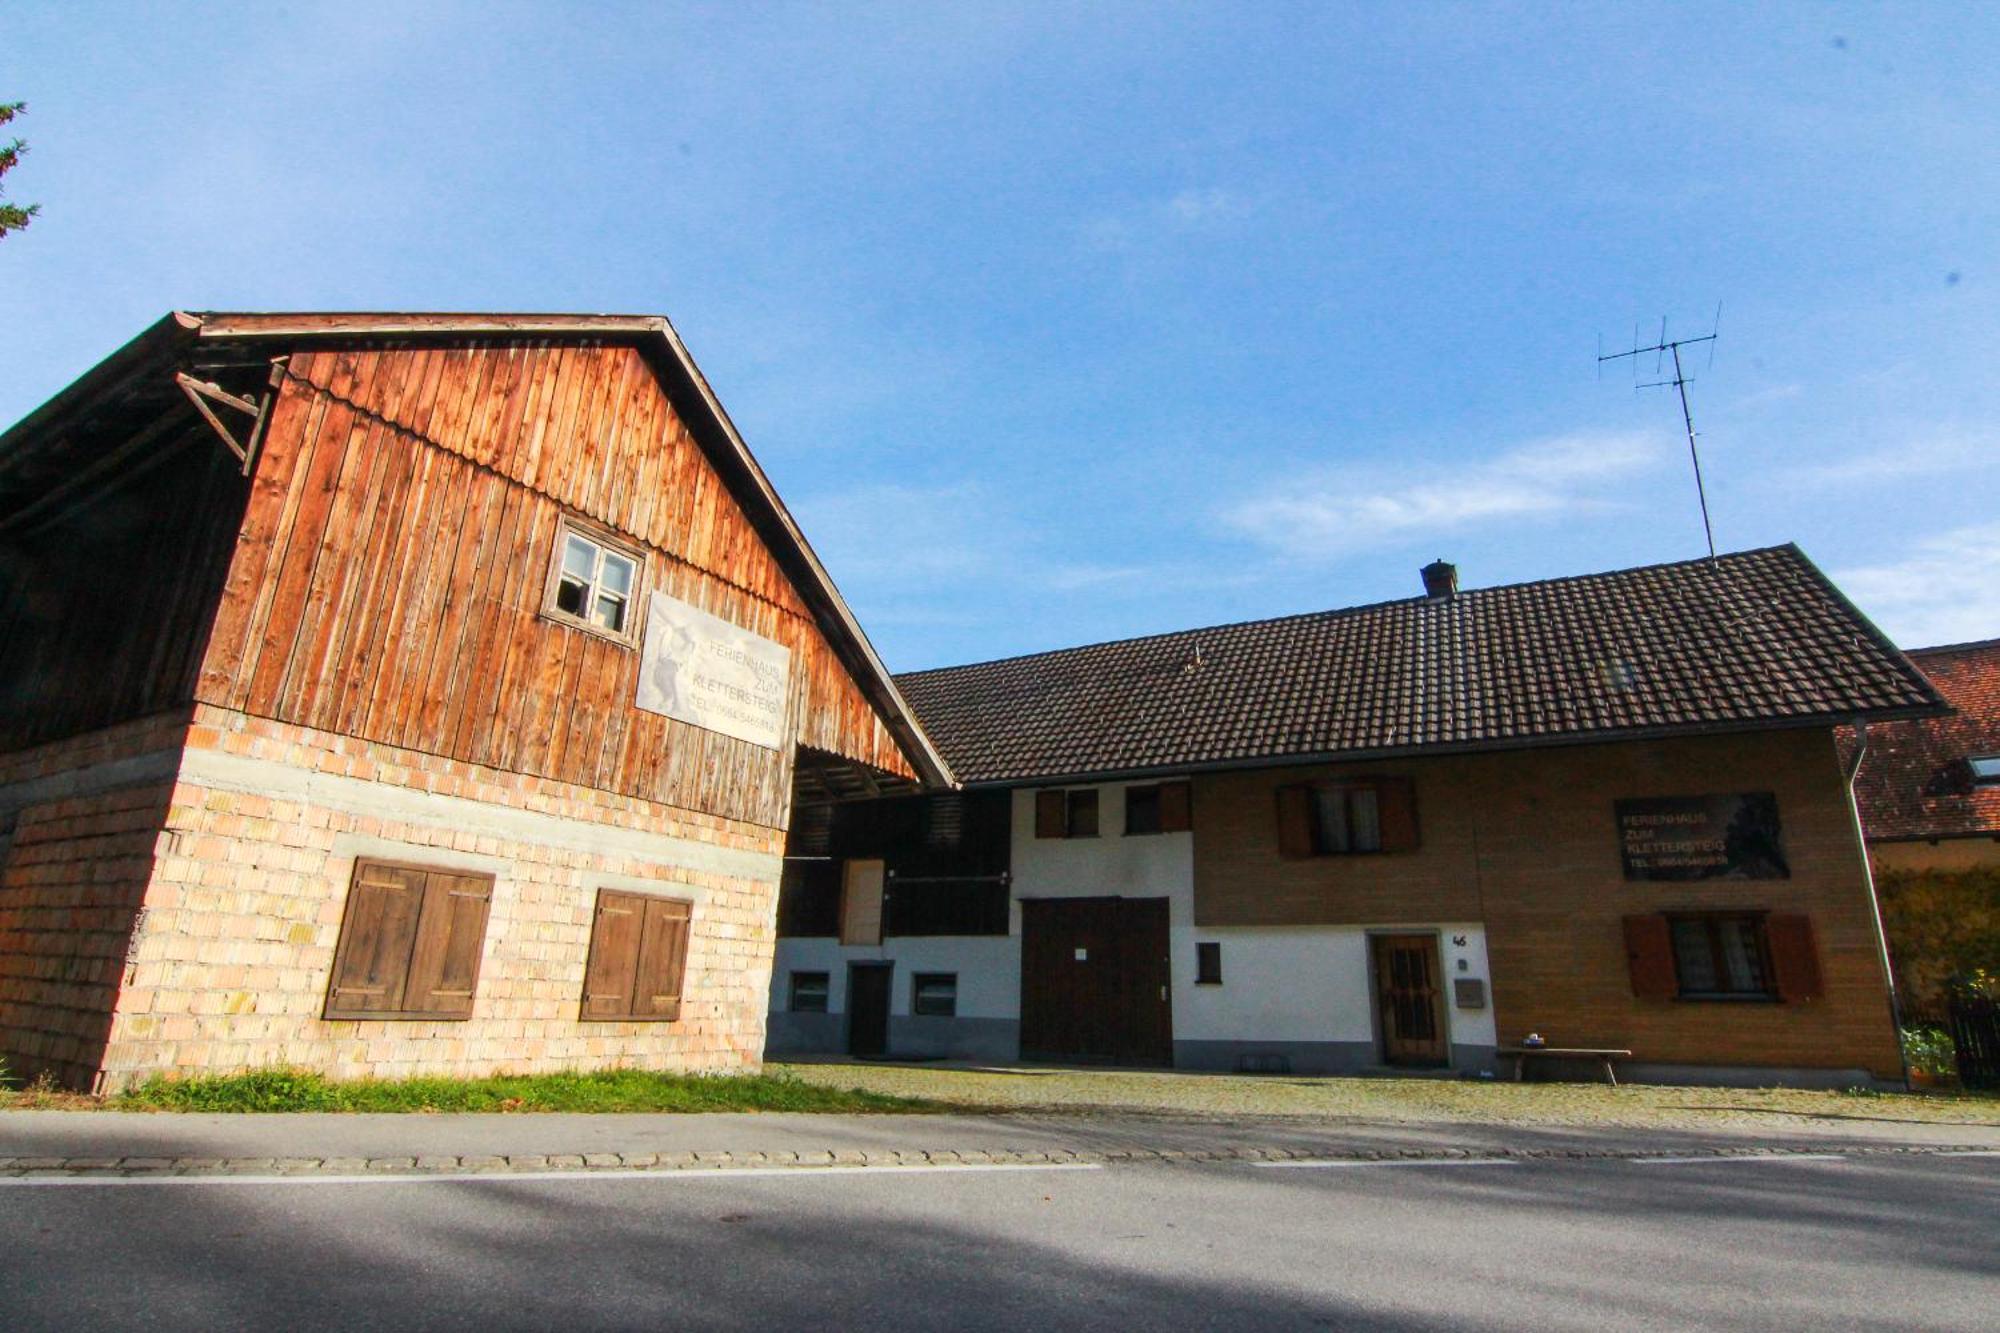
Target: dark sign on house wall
1725,836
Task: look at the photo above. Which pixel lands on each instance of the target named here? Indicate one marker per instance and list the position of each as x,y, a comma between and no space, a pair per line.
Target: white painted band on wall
356,796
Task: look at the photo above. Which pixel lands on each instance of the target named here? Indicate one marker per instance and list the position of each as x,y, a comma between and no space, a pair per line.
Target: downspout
1852,771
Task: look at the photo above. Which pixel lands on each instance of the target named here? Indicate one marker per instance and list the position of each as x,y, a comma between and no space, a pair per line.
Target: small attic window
1985,769
593,582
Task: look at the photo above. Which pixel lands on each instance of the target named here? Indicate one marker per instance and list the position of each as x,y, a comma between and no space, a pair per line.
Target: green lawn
605,1090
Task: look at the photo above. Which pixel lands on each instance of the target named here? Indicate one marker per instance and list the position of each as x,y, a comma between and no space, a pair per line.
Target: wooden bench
1521,1054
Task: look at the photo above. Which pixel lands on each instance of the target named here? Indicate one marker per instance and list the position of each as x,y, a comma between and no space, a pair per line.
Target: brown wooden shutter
663,947
1794,957
1396,811
1176,807
1051,814
614,954
1295,822
1649,953
378,931
861,902
451,936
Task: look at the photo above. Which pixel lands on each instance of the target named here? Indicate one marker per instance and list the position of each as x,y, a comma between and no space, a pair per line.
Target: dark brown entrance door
1409,1001
1095,974
868,1008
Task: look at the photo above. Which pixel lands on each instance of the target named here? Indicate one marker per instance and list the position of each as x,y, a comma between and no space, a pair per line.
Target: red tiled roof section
1915,781
1758,637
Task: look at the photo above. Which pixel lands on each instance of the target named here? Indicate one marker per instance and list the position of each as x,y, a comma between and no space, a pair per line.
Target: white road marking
1338,1163
489,1177
1967,1152
1741,1157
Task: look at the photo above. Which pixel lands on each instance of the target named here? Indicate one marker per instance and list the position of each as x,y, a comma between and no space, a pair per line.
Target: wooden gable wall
389,579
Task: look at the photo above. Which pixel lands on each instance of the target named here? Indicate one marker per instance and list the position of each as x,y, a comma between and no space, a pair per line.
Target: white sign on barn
700,669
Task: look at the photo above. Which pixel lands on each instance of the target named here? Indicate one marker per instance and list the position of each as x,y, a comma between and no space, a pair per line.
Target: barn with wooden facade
1607,811
393,694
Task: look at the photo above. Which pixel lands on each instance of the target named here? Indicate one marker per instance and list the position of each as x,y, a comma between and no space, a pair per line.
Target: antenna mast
1662,349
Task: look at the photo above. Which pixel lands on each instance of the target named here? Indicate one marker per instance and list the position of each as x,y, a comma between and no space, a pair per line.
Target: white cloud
1186,211
1351,509
1946,590
1942,451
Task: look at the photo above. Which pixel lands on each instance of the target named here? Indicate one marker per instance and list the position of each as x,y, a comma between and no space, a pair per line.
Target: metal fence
1973,1019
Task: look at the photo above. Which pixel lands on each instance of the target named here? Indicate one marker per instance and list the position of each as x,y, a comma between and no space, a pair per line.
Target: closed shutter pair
410,943
638,957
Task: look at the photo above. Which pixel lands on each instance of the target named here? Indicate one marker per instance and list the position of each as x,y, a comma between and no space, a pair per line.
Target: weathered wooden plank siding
103,611
391,572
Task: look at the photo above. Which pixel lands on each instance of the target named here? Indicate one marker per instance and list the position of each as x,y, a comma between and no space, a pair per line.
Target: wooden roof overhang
207,371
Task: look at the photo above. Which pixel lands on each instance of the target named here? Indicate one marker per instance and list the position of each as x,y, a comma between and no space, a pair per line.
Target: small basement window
809,992
1985,768
593,582
934,994
1208,963
1721,956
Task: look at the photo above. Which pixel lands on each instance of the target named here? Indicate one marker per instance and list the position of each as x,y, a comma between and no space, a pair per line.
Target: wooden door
1409,1000
868,1008
1095,979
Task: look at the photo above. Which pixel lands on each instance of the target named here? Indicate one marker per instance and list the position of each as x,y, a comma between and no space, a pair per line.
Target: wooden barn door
1095,978
1410,1000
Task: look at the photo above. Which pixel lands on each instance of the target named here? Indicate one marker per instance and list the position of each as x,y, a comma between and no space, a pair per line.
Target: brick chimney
1440,578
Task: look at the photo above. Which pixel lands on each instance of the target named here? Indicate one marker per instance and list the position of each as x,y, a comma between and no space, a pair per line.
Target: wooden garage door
1095,978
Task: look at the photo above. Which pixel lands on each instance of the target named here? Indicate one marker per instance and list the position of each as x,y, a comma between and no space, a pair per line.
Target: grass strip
268,1090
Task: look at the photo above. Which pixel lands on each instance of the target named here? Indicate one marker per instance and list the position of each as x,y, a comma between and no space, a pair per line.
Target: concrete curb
586,1164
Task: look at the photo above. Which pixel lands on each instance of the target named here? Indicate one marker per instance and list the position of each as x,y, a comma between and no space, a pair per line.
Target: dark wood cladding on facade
389,579
104,606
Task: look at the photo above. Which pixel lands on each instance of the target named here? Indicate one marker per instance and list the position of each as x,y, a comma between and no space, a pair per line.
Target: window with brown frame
1066,814
1163,807
410,942
1346,818
594,581
1743,955
638,957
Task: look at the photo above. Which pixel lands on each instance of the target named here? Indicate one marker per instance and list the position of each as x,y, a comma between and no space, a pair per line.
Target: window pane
1985,767
809,992
1330,819
610,613
1208,963
1364,820
1142,809
1083,814
935,994
1742,962
617,574
579,558
571,596
1694,958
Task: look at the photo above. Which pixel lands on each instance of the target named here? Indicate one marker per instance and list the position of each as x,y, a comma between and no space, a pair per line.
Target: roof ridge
1970,645
1338,611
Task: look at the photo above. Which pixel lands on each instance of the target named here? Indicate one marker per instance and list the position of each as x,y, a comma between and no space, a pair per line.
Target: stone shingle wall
231,960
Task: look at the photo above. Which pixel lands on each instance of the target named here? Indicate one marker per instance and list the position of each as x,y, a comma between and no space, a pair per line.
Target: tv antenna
1662,349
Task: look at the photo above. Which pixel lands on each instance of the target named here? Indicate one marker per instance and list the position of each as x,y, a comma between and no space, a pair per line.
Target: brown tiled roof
1915,782
1759,638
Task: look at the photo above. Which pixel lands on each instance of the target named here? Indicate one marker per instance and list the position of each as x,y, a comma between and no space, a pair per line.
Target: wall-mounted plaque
1702,837
702,670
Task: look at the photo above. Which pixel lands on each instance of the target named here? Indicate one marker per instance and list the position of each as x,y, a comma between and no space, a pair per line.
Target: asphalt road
1876,1242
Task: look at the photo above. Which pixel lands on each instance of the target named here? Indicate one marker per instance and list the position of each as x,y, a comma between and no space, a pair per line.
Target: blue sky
1061,323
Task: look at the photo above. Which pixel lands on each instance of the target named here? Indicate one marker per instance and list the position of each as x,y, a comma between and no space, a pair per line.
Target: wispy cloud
1335,512
1940,452
1183,212
1946,590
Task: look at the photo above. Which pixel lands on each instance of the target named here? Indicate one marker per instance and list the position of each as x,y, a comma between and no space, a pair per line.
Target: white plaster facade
1303,992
